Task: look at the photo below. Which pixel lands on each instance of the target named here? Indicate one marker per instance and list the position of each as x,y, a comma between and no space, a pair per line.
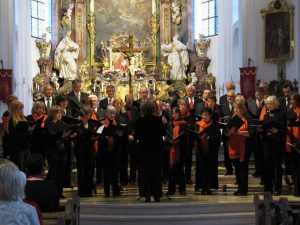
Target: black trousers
176,175
273,154
57,164
241,173
110,172
99,167
85,174
188,159
227,161
258,154
133,161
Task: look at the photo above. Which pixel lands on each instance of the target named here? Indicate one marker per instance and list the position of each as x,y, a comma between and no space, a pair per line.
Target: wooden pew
60,220
269,212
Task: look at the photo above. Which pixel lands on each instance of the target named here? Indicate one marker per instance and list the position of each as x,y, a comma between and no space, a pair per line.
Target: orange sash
174,151
263,113
203,125
293,131
37,117
237,143
94,116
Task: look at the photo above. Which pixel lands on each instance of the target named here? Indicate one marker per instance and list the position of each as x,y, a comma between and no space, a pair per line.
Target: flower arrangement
140,74
110,75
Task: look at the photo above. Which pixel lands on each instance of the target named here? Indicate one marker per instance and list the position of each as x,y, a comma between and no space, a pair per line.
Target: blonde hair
53,111
12,182
240,105
36,105
273,99
120,101
14,108
240,99
9,99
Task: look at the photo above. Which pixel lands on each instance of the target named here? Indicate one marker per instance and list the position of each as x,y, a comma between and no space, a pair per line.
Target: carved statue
65,57
176,13
54,80
202,44
178,58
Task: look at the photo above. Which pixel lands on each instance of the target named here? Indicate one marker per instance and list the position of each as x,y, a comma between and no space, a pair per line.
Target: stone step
164,208
244,218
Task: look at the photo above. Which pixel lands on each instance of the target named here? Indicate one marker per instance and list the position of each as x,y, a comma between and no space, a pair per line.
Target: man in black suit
229,86
254,109
201,105
226,109
110,91
287,90
98,113
193,101
76,97
285,106
143,94
48,98
133,116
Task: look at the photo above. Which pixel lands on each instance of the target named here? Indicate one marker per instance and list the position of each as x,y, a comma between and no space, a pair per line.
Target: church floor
224,194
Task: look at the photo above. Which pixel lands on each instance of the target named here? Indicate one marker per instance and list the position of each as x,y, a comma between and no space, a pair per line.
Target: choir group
115,142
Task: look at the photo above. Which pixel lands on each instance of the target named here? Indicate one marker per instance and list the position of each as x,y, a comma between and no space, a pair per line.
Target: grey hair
190,86
12,182
110,108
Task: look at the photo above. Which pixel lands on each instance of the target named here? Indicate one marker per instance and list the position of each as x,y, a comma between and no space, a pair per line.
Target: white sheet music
100,129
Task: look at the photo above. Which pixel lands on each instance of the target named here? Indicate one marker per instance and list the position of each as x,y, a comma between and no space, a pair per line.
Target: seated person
39,190
12,208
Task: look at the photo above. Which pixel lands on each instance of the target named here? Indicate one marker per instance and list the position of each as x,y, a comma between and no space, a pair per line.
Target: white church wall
22,53
293,66
6,44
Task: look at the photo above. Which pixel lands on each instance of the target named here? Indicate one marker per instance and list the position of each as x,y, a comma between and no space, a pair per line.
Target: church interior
91,62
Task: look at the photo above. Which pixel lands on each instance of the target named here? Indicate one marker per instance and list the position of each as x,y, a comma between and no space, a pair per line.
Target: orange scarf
237,143
202,126
175,151
293,131
94,116
36,117
263,113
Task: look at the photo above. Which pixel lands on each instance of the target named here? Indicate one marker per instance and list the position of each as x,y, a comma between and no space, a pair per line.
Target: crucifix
129,52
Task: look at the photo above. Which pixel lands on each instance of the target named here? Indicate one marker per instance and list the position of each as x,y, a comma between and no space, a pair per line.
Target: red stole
174,151
94,116
263,113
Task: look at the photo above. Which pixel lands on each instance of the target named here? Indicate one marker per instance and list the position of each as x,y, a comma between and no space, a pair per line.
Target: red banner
5,83
247,78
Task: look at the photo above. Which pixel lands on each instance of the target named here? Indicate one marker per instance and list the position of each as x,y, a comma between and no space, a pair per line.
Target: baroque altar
121,43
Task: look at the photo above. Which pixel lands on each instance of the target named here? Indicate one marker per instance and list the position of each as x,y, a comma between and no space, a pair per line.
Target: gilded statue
202,44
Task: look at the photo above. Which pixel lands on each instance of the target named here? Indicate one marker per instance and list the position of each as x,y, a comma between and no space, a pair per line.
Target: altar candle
101,86
95,87
92,6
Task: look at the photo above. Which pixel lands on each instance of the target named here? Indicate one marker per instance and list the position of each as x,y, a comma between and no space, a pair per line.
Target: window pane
42,28
34,9
211,9
34,26
211,27
41,11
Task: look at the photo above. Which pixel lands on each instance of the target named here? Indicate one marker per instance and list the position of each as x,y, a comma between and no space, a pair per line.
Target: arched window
40,17
206,17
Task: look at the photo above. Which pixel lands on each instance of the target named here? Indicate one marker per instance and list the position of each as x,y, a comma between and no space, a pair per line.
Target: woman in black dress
149,135
208,143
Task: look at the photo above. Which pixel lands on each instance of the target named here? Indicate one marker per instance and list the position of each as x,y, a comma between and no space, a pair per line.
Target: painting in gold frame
124,16
278,21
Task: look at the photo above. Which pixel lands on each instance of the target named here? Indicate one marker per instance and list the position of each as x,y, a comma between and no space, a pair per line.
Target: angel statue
178,58
176,13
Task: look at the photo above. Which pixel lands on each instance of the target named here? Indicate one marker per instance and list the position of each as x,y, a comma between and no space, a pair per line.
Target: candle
92,6
102,86
153,6
95,87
